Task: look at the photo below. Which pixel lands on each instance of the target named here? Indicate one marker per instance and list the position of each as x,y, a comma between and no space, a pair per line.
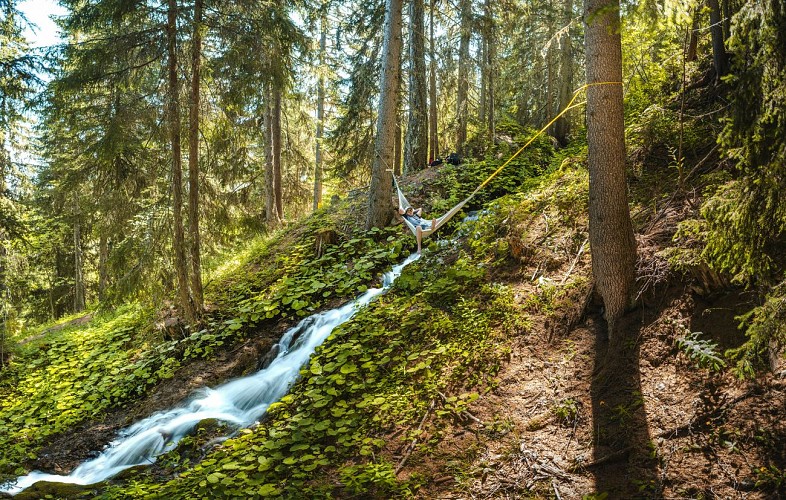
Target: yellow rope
541,131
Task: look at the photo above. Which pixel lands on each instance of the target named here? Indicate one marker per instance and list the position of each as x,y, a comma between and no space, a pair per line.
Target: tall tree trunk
432,100
491,56
462,94
275,129
271,212
693,41
320,115
726,19
416,146
179,249
484,47
562,125
103,266
380,191
397,167
719,57
193,161
551,76
611,232
79,282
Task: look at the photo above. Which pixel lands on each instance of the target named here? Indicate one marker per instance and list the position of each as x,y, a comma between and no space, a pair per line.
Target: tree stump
323,239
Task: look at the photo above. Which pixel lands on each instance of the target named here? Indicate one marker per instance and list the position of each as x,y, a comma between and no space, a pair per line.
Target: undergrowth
71,375
440,330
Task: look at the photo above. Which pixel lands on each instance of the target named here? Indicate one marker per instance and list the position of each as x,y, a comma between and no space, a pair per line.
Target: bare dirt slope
568,422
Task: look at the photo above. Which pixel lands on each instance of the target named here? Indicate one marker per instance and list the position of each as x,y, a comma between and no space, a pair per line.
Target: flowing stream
240,402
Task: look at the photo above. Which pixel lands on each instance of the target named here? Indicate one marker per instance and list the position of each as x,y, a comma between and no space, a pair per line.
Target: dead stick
472,417
556,491
602,460
575,261
414,440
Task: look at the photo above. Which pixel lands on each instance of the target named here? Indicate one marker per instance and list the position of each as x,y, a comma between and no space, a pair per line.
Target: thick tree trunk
611,232
462,94
380,193
416,145
432,100
193,161
275,128
719,57
173,117
562,125
726,19
320,116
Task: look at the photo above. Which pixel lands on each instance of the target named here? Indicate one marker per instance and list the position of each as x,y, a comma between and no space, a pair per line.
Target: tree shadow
623,463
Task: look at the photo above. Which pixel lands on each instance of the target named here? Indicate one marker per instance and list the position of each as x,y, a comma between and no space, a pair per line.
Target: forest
210,286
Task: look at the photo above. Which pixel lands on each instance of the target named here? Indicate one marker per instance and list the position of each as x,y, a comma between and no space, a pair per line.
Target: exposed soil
567,421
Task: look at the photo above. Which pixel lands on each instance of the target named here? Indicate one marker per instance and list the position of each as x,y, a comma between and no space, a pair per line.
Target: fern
703,352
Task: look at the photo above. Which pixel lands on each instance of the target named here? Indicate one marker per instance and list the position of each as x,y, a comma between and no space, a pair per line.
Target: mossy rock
47,489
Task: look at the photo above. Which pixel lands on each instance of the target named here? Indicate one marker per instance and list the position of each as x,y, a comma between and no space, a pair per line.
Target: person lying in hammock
414,217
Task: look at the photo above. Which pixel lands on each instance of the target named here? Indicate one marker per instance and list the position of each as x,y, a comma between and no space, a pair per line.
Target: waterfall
240,402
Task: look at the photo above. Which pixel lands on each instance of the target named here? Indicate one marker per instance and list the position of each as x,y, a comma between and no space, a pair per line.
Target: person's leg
419,237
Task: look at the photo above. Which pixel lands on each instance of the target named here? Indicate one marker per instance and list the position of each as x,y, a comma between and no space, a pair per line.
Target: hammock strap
403,203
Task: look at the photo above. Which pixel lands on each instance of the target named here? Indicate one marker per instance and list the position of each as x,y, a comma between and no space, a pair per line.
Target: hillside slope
480,374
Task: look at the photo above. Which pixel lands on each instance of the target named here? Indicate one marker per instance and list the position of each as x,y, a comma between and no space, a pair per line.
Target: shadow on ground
623,463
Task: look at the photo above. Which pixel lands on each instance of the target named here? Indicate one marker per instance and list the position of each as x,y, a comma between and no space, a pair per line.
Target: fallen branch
575,261
415,439
556,491
612,457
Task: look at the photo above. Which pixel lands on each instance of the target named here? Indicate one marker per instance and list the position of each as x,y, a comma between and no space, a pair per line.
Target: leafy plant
702,351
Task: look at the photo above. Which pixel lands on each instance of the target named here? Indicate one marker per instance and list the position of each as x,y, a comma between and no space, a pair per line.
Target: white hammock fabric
419,232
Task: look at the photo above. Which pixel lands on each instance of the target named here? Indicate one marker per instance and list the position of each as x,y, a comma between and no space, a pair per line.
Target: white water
240,402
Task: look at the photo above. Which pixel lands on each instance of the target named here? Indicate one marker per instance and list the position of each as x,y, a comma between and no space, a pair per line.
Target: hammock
403,204
418,231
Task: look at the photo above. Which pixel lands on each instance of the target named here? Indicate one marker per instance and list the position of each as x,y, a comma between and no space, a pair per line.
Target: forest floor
564,420
567,422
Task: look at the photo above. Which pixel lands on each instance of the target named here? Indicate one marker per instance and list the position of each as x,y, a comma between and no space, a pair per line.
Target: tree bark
79,282
416,144
397,170
491,56
179,250
693,41
320,115
103,266
484,47
562,125
611,231
271,213
275,128
193,161
380,191
551,76
719,57
432,104
462,94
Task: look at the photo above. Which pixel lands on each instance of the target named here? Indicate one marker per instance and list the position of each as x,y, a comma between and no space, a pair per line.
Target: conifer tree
611,231
380,191
416,144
